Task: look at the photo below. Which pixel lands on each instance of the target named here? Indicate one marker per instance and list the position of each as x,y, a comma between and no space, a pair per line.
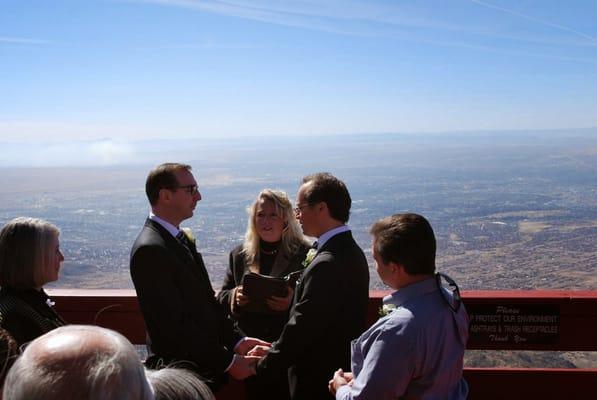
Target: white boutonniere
50,303
386,309
310,256
189,234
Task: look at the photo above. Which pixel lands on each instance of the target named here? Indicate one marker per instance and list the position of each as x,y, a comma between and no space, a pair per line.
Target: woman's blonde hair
292,236
25,252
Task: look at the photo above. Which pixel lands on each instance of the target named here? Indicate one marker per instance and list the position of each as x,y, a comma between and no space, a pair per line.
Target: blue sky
128,70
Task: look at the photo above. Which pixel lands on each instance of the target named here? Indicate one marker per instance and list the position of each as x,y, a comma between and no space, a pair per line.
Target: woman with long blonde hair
274,245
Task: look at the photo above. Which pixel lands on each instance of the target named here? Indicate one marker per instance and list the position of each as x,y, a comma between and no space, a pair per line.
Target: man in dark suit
185,324
330,301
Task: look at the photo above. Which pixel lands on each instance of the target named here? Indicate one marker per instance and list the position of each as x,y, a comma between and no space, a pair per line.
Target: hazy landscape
511,210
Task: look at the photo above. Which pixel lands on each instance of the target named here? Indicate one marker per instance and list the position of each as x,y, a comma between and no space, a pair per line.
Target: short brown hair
406,239
162,177
25,251
332,191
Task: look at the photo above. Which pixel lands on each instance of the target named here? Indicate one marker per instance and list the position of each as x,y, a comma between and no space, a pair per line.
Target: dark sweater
26,314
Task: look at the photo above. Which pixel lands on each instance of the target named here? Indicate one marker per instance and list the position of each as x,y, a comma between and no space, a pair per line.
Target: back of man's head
162,177
178,384
78,362
325,187
406,239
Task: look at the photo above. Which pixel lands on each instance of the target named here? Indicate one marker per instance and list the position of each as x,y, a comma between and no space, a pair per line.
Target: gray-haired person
78,362
30,257
178,384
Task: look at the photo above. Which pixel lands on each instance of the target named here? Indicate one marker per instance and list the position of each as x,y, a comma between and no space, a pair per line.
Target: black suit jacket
183,319
266,327
329,309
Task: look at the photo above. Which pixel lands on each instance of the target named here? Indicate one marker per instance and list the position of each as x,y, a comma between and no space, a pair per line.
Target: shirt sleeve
387,368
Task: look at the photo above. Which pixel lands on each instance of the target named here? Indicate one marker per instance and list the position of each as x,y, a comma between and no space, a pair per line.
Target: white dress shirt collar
167,225
329,234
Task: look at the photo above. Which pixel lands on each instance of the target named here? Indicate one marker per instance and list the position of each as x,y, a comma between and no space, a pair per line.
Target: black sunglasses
190,189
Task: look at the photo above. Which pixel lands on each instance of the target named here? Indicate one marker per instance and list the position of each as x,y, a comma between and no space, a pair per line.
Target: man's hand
243,366
247,343
340,379
280,303
259,351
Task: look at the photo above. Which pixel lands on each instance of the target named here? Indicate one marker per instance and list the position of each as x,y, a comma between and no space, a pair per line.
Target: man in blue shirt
416,350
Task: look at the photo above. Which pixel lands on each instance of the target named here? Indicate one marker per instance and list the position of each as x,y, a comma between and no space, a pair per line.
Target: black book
260,287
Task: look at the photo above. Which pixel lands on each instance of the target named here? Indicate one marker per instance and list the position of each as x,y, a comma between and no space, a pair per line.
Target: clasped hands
340,379
248,352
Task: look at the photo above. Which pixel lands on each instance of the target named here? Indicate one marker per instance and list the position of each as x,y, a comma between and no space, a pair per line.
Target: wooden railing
500,320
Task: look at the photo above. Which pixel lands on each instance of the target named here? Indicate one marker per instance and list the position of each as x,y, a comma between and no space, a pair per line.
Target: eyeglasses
190,189
455,301
299,208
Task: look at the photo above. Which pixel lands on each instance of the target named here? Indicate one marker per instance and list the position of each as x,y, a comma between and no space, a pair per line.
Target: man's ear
165,195
397,268
322,206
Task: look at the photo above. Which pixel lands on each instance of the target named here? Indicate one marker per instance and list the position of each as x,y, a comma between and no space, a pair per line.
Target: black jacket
184,321
329,309
26,314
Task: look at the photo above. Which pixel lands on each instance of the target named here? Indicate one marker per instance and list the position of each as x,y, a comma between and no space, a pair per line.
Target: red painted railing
500,320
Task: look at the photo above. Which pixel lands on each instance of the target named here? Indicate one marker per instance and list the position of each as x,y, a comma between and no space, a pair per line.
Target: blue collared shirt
416,351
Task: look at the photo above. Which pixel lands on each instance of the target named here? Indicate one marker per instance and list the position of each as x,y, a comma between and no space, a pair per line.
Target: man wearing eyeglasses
185,324
416,350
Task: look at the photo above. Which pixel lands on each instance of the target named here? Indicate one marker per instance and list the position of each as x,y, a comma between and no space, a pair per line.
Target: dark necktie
314,245
182,239
192,252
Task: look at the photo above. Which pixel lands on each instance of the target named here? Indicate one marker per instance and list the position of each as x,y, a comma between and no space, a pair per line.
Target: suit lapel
201,270
334,241
192,261
331,246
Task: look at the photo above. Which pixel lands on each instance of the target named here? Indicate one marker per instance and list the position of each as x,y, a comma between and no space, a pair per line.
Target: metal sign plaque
521,324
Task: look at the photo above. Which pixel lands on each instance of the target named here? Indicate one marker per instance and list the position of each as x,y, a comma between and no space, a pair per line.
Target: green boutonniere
310,256
386,309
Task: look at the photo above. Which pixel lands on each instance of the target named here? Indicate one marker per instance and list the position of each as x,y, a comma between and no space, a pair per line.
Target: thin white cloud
51,131
213,45
104,152
17,40
402,21
110,152
323,16
537,20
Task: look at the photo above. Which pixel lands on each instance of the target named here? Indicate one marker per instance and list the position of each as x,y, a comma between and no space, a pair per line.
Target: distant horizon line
434,133
109,152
